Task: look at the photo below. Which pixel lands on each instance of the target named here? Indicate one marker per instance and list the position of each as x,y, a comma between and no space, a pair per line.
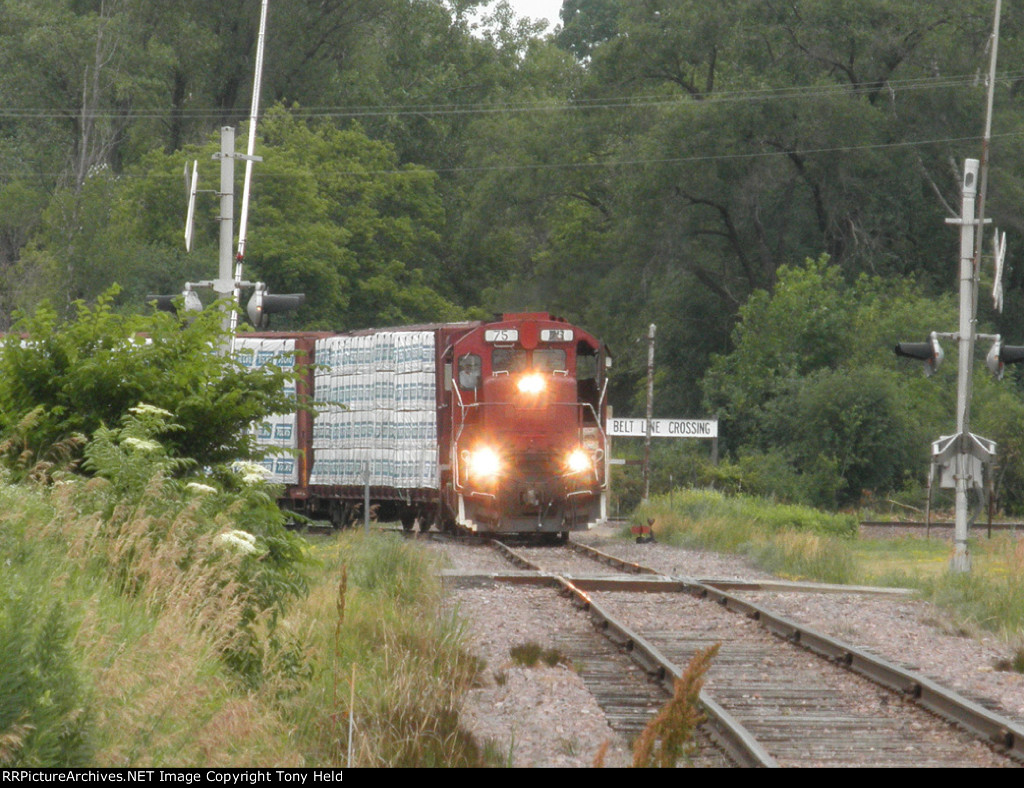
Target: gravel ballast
546,717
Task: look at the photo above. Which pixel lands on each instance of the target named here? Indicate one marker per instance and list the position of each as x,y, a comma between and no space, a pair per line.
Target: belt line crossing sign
663,428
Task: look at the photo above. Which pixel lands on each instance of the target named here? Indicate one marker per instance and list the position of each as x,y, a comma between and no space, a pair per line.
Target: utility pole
224,284
961,561
650,412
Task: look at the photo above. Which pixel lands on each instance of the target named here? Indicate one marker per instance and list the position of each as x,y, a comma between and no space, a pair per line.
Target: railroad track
769,700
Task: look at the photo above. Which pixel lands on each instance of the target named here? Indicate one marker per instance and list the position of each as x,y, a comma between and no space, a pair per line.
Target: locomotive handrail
604,435
515,404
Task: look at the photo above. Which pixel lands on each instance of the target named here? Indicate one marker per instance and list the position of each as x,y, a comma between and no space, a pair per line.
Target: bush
87,373
741,511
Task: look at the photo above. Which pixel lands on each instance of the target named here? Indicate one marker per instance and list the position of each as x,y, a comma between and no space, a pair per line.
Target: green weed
531,653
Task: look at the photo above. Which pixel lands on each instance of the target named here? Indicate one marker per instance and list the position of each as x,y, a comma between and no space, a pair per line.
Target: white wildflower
243,541
251,472
142,409
202,489
140,444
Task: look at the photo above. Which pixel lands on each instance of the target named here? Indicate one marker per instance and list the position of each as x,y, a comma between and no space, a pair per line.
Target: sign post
650,410
660,428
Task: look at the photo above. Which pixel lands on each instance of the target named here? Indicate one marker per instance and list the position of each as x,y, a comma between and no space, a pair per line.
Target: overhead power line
609,163
803,92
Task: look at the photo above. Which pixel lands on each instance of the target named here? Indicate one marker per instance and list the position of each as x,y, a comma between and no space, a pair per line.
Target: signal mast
961,459
229,283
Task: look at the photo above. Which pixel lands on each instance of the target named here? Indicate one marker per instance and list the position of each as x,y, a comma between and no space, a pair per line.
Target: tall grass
670,735
152,618
391,667
991,595
792,541
118,656
132,633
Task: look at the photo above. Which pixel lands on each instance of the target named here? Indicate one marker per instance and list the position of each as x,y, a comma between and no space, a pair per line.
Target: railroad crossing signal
263,304
930,352
1000,355
964,460
165,303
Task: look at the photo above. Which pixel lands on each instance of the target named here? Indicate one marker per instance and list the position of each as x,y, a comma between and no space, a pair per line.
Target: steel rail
728,732
611,560
1001,732
998,730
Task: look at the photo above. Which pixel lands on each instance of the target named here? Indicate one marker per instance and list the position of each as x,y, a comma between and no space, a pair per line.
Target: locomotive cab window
549,360
469,371
509,359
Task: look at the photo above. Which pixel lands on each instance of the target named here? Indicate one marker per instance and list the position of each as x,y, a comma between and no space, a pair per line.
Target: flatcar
492,427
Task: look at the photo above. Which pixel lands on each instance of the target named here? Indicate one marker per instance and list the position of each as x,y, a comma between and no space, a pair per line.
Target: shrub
88,372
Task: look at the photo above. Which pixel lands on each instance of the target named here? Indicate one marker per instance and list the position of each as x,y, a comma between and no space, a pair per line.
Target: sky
538,9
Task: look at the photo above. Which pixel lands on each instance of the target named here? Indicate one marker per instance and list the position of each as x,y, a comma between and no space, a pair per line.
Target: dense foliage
60,379
660,161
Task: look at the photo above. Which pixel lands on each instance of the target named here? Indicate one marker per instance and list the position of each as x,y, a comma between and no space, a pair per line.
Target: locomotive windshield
509,359
514,360
549,360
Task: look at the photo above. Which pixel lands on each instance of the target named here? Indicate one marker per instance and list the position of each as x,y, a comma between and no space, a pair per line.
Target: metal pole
250,150
961,561
225,286
928,503
714,447
650,411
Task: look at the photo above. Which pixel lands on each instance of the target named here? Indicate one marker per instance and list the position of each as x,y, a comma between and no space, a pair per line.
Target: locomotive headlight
484,463
531,384
578,461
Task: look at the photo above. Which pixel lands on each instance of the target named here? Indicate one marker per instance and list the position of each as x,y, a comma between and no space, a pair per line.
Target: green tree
342,221
80,375
813,377
332,215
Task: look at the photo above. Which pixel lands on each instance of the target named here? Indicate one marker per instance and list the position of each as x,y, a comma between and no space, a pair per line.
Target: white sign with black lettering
664,428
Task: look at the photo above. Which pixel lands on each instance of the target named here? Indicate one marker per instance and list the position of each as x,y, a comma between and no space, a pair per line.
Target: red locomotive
496,427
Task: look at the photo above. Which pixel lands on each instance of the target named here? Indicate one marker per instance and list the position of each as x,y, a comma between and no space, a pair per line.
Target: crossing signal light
165,303
1000,355
263,304
929,352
